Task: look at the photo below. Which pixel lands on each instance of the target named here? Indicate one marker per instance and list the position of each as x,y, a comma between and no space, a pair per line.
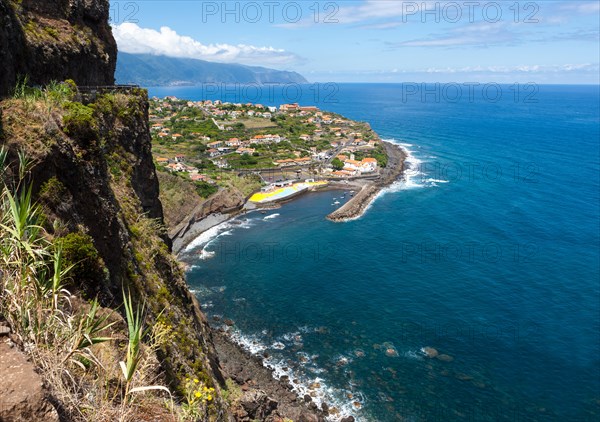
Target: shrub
52,192
88,268
205,189
51,31
60,92
79,121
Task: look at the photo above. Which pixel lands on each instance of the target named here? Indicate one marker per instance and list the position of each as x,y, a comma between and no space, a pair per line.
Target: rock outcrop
23,396
56,40
223,203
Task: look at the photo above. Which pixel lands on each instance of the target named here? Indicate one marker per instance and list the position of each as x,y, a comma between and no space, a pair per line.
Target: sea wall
356,206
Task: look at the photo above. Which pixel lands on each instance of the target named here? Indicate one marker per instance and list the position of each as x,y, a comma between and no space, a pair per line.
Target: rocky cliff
56,40
94,176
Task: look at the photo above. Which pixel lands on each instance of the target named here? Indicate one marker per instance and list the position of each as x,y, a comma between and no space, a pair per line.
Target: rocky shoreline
354,208
263,397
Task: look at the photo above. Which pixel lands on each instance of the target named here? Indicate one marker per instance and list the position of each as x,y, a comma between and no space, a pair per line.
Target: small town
211,142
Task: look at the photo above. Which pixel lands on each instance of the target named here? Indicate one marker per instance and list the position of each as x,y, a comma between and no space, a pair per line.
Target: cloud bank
136,40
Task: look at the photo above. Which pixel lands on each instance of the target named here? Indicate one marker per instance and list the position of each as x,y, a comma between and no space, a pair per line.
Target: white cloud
556,68
377,11
481,34
583,7
136,40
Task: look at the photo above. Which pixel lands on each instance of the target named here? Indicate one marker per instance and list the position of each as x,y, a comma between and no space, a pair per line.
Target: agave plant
129,367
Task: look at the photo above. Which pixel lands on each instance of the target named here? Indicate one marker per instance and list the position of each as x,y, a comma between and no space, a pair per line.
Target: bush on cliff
79,122
80,253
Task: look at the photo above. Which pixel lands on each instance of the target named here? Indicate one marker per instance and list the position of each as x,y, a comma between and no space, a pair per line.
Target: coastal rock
184,223
429,352
257,404
392,353
108,213
22,394
228,322
348,419
4,330
445,358
242,367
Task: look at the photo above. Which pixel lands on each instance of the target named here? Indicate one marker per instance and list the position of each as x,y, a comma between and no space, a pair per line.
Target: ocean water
487,252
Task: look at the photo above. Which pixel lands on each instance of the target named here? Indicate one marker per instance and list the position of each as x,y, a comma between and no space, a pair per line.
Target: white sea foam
270,217
304,377
204,254
413,354
205,237
414,176
250,343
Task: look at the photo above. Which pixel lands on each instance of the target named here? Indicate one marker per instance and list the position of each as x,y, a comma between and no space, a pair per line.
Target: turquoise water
488,253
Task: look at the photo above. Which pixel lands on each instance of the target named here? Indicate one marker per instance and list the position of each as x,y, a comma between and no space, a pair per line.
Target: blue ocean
487,252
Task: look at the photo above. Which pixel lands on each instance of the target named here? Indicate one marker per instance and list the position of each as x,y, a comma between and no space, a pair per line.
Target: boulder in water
430,352
392,353
445,358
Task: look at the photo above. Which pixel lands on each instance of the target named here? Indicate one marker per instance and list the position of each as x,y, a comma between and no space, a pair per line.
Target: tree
337,164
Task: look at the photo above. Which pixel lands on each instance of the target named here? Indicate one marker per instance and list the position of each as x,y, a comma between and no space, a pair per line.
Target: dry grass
257,123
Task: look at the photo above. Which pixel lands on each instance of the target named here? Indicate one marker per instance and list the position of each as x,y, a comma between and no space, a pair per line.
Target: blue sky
376,40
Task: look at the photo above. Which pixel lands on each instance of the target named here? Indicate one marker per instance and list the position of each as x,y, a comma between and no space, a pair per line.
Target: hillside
149,70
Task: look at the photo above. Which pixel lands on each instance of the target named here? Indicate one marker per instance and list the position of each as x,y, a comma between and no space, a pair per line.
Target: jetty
356,206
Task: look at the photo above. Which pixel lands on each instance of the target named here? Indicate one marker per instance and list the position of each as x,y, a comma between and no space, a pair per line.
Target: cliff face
94,175
56,40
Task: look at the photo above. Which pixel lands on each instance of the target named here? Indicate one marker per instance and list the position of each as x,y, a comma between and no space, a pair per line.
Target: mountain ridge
154,70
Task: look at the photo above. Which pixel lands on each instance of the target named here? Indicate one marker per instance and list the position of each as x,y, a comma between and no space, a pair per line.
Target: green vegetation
33,297
79,121
51,31
80,253
205,189
52,191
178,196
55,93
337,164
